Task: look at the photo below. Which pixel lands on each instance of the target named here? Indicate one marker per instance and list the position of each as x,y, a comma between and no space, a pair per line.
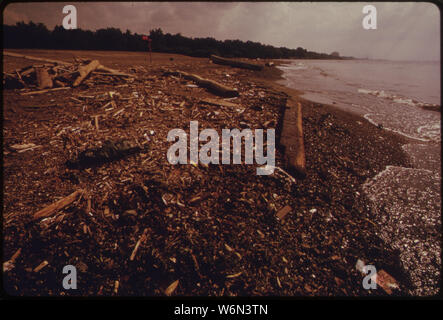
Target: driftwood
43,91
11,54
171,288
283,212
137,245
19,77
85,71
386,281
116,285
44,80
217,102
56,73
292,139
96,122
23,147
60,204
236,63
211,85
110,151
114,72
41,266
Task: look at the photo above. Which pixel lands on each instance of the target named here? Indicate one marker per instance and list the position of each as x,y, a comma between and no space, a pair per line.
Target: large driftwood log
236,63
60,204
211,85
85,71
292,139
11,54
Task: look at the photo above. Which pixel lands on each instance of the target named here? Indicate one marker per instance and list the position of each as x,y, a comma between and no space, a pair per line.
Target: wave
425,133
295,66
395,98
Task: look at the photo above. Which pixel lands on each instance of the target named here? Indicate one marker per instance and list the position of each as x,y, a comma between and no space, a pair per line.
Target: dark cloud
407,31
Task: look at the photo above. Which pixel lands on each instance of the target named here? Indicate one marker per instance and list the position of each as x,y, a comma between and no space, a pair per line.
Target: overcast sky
405,31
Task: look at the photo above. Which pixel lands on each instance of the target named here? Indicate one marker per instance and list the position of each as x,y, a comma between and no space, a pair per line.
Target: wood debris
171,288
386,282
41,266
191,211
56,206
44,77
141,240
218,102
281,214
236,63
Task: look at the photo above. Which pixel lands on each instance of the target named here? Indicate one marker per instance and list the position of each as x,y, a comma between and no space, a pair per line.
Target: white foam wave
431,130
296,66
368,117
394,98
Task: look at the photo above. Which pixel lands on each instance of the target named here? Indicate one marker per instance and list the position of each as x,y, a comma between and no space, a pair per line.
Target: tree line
36,35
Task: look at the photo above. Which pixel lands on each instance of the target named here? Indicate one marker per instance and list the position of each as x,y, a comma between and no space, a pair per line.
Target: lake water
406,202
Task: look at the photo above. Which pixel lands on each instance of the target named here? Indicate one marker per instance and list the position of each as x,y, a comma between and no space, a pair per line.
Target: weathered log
292,139
56,206
43,91
211,85
114,72
236,63
110,151
44,80
11,54
85,71
217,102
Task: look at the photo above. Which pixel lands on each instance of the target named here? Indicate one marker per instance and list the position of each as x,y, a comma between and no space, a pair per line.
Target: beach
401,97
143,224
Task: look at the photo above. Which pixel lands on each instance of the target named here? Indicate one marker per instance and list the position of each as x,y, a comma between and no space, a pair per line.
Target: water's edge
405,202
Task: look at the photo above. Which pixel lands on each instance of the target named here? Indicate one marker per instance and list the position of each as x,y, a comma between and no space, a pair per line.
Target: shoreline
419,267
312,252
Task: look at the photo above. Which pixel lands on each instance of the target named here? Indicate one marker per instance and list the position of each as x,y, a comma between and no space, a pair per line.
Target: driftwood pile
56,75
88,184
236,63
